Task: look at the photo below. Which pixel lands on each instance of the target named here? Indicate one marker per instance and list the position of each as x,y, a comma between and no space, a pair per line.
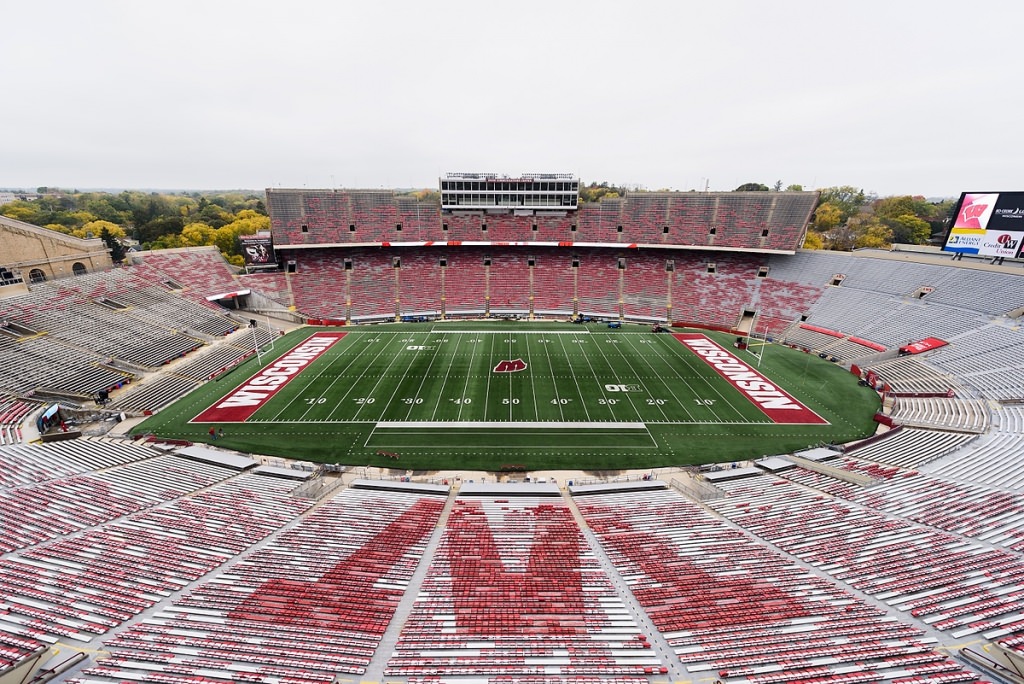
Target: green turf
589,398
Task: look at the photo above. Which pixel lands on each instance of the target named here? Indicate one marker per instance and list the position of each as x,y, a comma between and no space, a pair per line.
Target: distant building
33,254
8,196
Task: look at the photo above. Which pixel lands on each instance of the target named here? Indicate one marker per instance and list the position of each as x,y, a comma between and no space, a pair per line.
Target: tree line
845,217
151,220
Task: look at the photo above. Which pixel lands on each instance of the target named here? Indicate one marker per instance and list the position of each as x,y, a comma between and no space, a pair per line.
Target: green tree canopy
846,198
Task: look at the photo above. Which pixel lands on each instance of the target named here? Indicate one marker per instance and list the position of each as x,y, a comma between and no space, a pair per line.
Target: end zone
248,397
773,401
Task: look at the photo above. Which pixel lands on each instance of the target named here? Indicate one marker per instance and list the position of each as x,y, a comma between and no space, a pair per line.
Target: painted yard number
622,388
312,401
506,401
704,402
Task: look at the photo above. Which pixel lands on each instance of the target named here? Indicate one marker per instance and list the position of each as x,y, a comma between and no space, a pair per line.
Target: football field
512,393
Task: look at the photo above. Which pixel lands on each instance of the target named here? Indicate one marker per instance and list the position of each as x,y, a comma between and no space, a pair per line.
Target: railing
317,488
859,479
698,490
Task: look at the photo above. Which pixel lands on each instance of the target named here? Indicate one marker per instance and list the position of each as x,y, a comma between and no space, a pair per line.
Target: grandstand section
766,222
727,605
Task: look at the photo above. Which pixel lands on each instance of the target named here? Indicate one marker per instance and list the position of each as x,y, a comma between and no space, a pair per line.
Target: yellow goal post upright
757,342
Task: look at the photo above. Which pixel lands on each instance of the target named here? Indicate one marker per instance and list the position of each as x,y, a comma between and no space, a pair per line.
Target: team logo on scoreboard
976,210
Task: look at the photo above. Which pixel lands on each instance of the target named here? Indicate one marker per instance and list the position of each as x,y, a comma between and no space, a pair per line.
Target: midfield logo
513,366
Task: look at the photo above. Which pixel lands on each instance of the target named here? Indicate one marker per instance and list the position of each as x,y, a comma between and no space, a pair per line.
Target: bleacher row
768,221
730,606
515,575
312,604
188,374
95,332
948,581
965,508
162,553
12,413
92,551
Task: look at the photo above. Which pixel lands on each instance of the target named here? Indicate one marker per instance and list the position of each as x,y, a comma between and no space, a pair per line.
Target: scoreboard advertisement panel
988,224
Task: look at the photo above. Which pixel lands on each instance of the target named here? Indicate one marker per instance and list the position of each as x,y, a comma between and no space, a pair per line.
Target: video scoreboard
988,224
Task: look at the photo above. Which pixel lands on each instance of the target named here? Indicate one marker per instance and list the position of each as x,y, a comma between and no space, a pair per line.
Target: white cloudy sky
892,96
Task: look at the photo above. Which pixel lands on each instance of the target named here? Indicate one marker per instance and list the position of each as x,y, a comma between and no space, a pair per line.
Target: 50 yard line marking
509,380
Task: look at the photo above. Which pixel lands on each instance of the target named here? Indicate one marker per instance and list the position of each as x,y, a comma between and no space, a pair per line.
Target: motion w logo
512,366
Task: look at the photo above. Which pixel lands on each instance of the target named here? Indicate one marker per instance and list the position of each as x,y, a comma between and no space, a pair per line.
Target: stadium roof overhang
483,243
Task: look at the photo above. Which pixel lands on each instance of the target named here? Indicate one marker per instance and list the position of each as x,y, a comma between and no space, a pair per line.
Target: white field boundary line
508,333
587,448
512,424
583,430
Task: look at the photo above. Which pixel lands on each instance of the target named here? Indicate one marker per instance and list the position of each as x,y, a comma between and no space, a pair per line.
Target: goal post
757,342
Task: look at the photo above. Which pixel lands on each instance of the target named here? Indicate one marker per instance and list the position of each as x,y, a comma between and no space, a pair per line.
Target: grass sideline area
489,396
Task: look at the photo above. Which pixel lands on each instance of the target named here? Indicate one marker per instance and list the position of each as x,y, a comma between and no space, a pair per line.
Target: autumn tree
846,198
94,229
595,192
814,240
873,235
827,216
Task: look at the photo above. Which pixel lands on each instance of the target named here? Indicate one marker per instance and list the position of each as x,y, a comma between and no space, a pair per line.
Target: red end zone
773,401
245,399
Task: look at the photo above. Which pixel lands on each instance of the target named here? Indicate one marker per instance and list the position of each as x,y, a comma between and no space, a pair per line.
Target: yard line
644,358
681,353
642,384
487,389
554,386
469,374
311,381
423,379
579,391
510,416
533,380
447,374
380,378
601,385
